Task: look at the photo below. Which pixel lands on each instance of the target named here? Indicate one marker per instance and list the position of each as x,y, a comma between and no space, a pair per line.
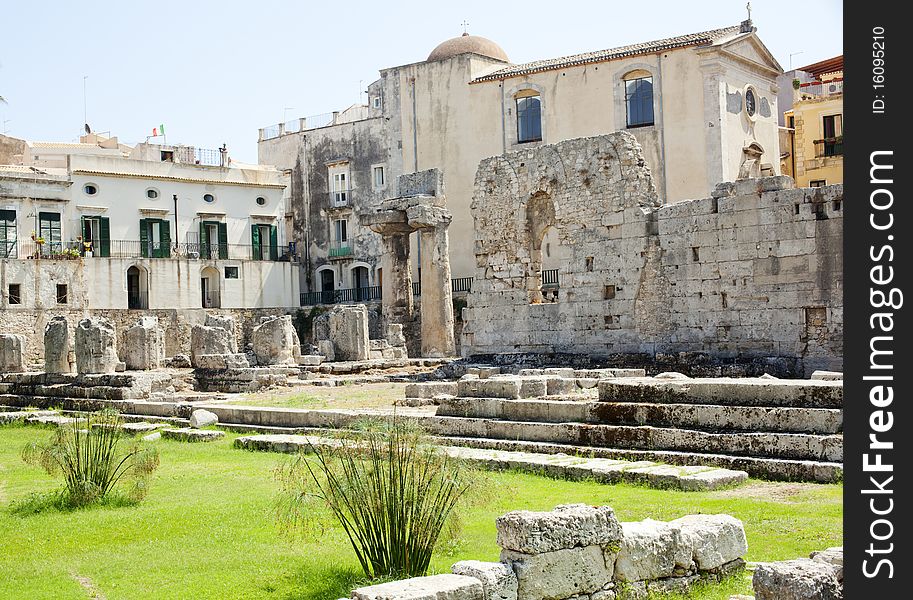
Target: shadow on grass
59,501
314,583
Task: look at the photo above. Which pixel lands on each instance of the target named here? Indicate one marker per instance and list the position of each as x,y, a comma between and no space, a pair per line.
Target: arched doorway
327,286
137,288
209,288
361,284
540,227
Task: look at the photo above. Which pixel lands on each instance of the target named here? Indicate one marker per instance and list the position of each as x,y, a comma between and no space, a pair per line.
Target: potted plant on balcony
86,247
39,242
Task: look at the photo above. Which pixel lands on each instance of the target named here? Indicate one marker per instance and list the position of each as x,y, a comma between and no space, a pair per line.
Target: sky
216,72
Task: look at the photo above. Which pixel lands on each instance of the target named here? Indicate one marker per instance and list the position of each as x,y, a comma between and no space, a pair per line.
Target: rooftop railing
298,125
820,89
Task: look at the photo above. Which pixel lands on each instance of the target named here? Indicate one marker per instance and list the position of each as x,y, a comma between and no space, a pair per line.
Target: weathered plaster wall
755,270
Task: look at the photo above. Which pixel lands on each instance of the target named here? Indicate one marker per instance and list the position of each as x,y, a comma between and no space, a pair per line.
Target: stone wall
176,325
754,271
580,552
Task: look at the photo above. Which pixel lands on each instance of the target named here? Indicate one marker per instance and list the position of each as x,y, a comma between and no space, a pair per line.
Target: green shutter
105,229
256,251
166,238
204,243
144,238
273,242
223,240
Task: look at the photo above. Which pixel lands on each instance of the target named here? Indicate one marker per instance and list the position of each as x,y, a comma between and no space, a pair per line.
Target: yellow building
813,153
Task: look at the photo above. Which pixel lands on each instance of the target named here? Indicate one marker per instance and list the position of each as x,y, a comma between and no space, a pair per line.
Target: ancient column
57,346
437,294
396,288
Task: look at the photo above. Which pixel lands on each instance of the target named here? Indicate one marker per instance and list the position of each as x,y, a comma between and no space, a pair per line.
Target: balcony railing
829,147
340,249
550,278
152,250
340,198
371,294
820,89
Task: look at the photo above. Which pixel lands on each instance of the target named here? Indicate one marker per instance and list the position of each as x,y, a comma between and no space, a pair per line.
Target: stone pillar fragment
57,346
96,346
437,294
275,341
210,340
12,351
349,332
396,288
144,345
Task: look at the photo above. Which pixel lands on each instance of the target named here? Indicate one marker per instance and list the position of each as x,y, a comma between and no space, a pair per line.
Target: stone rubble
96,346
201,418
819,577
12,353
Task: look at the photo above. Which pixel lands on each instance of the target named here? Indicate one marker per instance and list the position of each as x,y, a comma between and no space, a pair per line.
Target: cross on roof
465,25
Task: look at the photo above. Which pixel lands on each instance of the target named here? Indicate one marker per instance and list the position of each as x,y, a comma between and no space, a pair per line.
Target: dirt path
90,587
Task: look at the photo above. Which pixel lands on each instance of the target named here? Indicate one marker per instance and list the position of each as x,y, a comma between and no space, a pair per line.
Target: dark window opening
589,263
49,231
838,205
797,209
609,292
529,119
167,156
833,135
231,273
14,296
8,247
818,183
61,293
695,254
639,101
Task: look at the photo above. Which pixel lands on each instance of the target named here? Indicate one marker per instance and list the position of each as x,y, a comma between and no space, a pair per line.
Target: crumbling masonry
753,271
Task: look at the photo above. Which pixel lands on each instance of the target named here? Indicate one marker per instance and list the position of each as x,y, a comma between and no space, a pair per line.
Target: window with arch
639,98
529,116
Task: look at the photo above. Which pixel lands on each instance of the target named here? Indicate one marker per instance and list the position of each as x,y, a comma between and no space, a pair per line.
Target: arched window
529,117
639,98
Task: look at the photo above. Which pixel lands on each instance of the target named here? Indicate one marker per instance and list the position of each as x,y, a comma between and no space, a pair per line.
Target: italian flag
157,131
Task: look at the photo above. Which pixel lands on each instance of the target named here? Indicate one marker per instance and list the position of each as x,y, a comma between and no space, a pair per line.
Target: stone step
187,434
800,393
691,416
11,416
799,446
603,470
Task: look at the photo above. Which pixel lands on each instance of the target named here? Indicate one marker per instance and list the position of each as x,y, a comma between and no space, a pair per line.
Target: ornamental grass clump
392,492
95,460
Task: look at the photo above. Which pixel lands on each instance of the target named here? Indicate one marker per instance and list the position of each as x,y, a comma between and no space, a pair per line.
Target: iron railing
550,278
339,249
344,296
819,89
829,147
340,198
461,284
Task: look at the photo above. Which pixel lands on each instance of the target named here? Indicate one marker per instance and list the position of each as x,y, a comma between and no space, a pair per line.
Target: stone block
179,361
800,579
560,386
499,582
395,335
434,587
57,346
827,376
348,329
567,526
430,389
220,362
714,539
832,556
650,550
533,387
275,341
144,345
205,339
201,418
226,322
187,434
96,346
310,360
328,349
559,574
12,351
489,388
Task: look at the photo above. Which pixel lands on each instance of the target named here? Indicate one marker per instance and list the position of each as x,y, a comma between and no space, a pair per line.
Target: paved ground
371,395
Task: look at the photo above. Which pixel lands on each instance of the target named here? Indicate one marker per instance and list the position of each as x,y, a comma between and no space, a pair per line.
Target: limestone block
567,526
499,582
800,579
348,327
12,349
559,386
435,587
144,345
714,539
187,434
310,360
96,346
275,341
559,574
179,361
225,322
832,556
533,387
327,349
650,550
57,346
395,335
489,388
566,372
671,585
205,339
201,418
430,389
827,376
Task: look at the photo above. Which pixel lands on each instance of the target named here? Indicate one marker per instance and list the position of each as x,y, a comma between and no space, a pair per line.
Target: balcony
820,89
340,199
373,293
829,147
152,250
340,249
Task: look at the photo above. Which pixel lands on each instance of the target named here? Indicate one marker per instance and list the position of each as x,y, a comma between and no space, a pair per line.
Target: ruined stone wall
175,323
755,270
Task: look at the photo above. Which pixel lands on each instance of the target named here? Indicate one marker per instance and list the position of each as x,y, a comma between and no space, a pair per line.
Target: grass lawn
206,529
369,395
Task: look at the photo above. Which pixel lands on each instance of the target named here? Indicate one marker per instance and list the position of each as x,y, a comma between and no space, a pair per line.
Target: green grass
206,530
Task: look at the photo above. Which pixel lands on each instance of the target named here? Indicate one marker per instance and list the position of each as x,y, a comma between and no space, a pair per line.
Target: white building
154,226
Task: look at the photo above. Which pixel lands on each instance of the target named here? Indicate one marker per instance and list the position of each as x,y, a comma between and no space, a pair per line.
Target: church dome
467,43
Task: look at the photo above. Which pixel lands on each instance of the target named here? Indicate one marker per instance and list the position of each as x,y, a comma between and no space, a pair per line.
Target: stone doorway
210,289
137,288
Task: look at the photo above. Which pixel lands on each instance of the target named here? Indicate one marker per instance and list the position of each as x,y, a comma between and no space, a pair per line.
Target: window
90,189
8,234
61,293
96,236
209,198
152,194
49,231
155,238
213,240
751,102
14,296
529,119
261,201
639,101
375,102
339,192
264,242
833,135
379,177
340,227
818,183
167,155
231,272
